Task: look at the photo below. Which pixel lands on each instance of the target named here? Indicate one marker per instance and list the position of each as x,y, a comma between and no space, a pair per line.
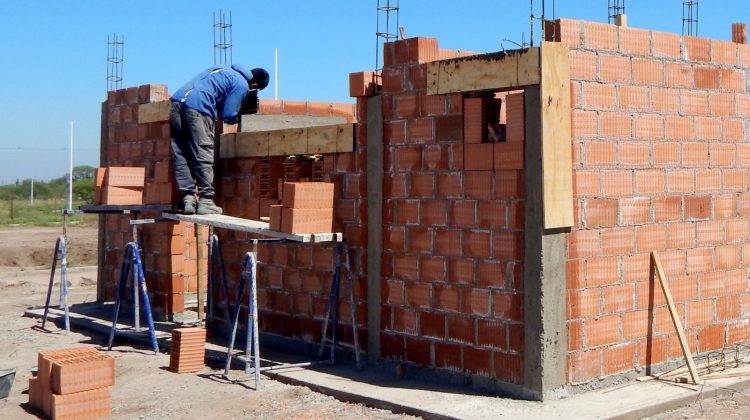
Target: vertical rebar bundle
385,32
115,48
690,17
222,39
616,7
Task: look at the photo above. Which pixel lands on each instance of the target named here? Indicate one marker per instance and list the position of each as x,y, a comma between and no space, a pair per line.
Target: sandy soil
144,388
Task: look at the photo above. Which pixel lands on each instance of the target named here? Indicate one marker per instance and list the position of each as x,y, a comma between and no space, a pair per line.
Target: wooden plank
251,144
496,71
675,318
345,138
557,155
153,112
227,145
251,226
322,139
290,141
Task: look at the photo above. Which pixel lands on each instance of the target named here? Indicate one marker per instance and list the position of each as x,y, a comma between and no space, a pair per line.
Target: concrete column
374,224
544,278
100,256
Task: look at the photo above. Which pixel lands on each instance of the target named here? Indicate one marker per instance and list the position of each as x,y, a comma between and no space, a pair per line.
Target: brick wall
661,159
169,248
294,279
452,225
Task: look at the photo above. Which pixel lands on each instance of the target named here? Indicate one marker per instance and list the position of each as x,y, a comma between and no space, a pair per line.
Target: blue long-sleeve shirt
218,89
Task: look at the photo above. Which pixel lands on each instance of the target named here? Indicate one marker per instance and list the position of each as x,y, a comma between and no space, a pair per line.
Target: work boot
188,204
207,206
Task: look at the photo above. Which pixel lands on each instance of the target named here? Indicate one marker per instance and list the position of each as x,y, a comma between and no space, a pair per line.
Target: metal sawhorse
248,275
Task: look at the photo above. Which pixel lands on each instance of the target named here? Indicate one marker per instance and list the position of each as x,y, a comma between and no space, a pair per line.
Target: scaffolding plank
124,208
251,226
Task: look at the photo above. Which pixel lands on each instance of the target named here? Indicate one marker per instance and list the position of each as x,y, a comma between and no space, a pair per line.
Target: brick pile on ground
188,350
73,383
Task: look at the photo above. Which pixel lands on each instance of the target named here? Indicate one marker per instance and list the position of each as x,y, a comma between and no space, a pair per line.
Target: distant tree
83,172
83,189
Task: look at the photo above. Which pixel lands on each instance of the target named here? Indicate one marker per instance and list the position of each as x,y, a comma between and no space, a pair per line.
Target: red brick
600,212
648,72
651,237
419,240
434,212
422,184
602,331
648,127
461,329
584,365
432,324
602,271
584,123
600,36
600,153
432,268
508,245
698,49
449,185
619,358
508,155
634,97
478,184
508,306
461,271
649,181
420,131
665,100
478,156
584,303
614,68
447,298
583,243
617,183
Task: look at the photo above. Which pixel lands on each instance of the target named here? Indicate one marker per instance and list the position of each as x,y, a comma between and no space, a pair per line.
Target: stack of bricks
119,185
188,353
661,163
306,207
73,383
163,189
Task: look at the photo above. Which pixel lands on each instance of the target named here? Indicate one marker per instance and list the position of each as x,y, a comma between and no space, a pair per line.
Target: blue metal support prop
59,254
248,274
132,260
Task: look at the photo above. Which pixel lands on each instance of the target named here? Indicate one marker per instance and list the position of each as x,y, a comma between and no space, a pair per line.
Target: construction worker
195,107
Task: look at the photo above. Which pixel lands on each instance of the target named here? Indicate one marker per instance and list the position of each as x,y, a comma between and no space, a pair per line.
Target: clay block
308,195
362,84
163,171
93,404
275,215
82,374
122,195
99,174
188,350
125,176
296,220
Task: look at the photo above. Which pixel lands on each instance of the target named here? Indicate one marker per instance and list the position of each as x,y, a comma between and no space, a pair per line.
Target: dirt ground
144,388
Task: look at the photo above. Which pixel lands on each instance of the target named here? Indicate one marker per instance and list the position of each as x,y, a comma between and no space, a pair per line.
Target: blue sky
55,53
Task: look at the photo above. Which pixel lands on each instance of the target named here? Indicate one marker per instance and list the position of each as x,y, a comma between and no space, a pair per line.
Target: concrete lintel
495,71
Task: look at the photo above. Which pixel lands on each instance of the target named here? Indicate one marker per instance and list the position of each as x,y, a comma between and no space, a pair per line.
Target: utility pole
70,174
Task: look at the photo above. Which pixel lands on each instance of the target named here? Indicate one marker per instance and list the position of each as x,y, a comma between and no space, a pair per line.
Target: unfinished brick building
501,209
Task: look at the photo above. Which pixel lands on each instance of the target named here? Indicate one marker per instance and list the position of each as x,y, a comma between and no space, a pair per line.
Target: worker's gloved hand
231,120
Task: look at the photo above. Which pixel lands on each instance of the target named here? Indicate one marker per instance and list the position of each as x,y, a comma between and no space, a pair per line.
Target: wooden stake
675,319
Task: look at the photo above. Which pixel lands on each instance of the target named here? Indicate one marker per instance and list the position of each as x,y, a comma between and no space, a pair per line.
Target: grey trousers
192,136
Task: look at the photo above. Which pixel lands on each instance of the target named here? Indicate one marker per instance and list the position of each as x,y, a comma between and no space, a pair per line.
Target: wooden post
199,279
675,318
